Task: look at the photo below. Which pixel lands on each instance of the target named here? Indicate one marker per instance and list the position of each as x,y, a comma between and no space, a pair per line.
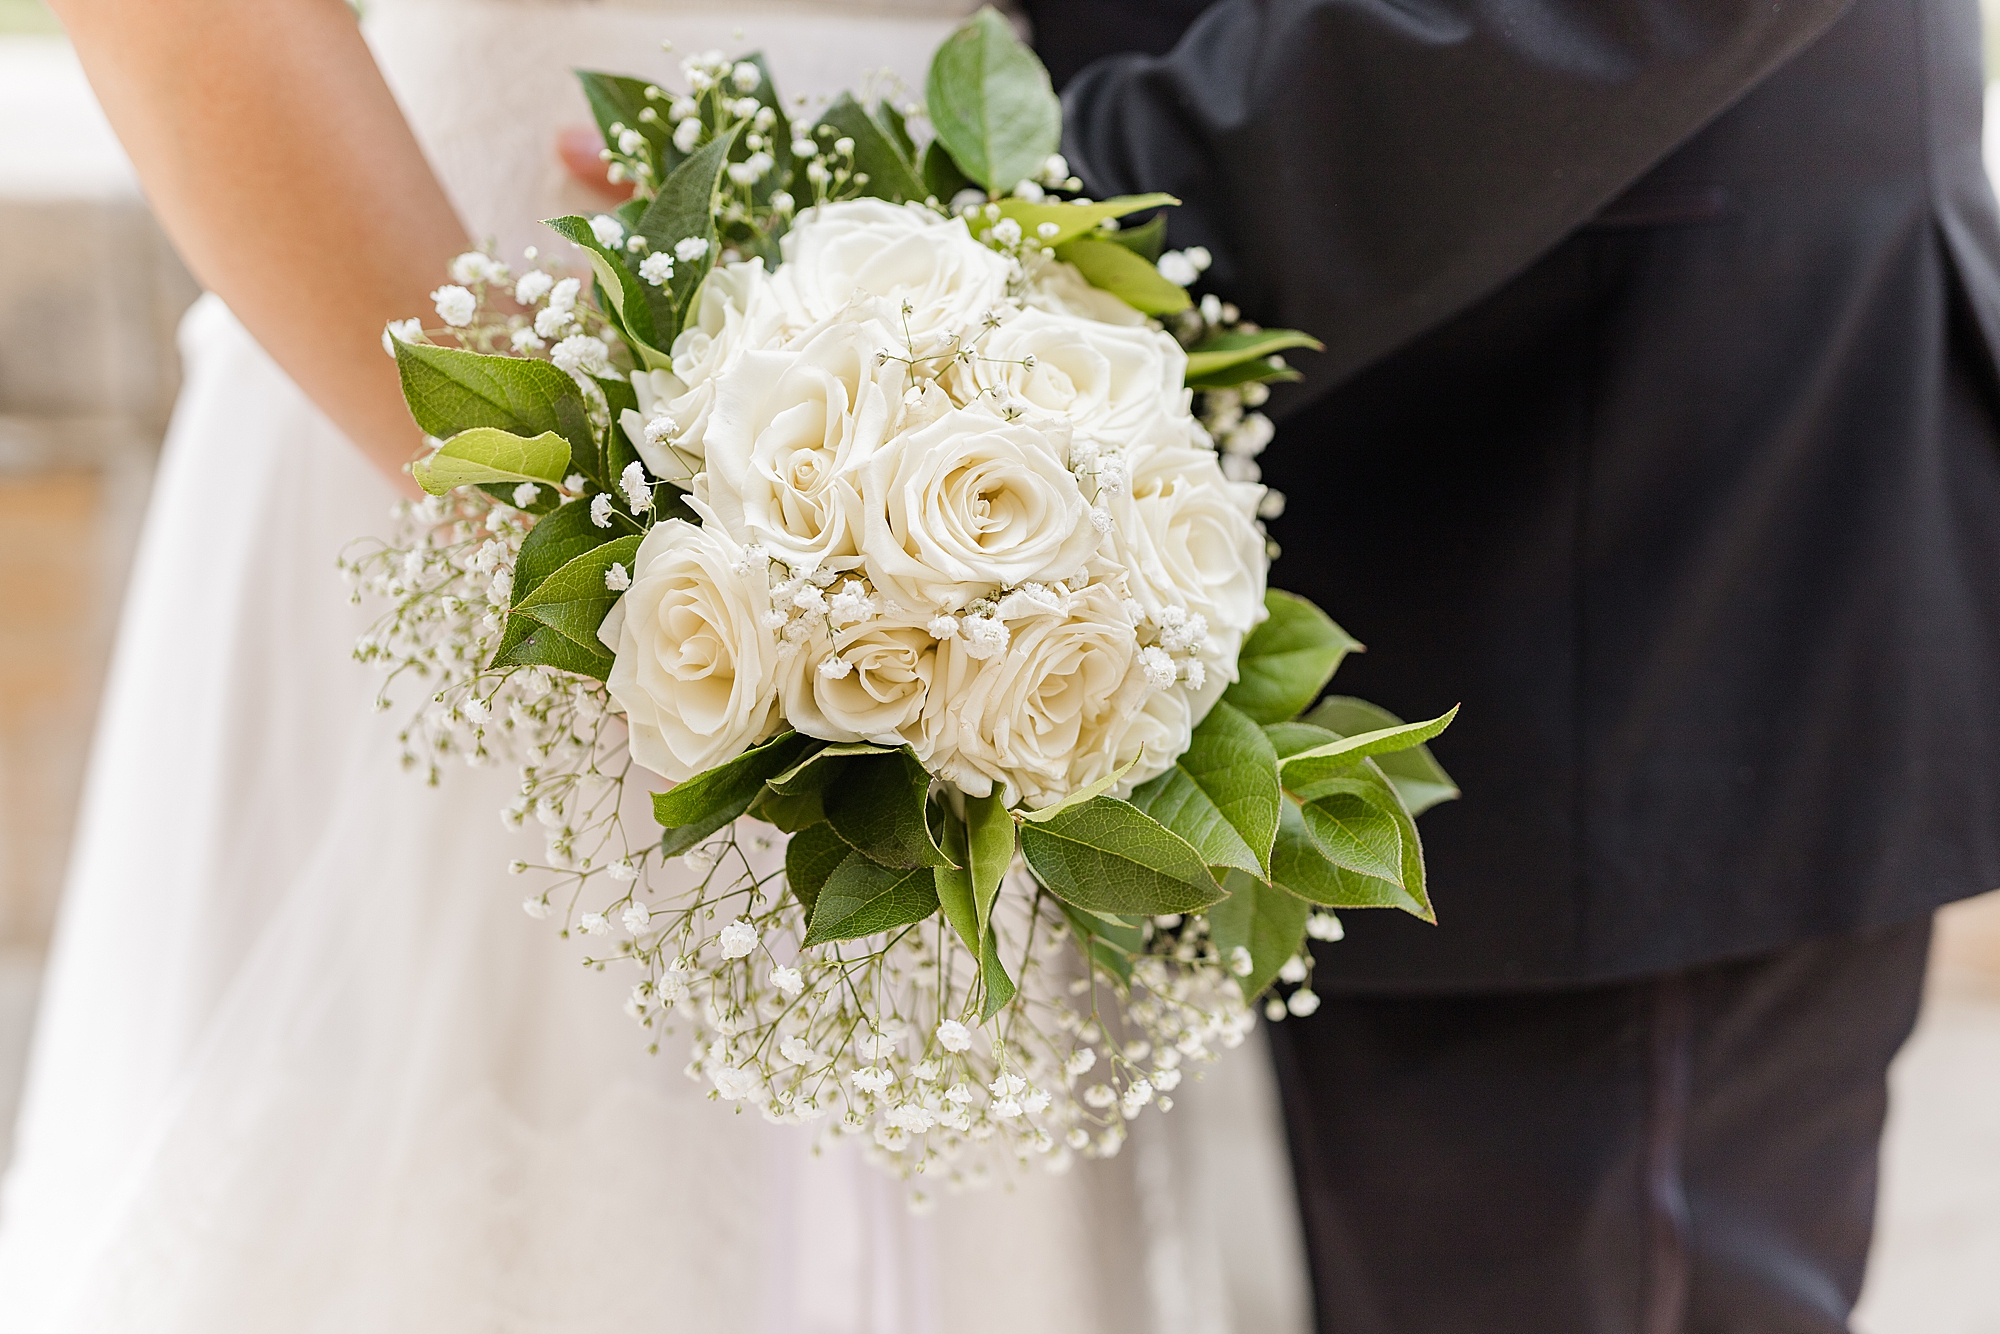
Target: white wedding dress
303,1066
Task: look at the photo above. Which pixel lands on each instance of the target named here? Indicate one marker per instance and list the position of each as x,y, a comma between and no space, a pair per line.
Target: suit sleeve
1364,169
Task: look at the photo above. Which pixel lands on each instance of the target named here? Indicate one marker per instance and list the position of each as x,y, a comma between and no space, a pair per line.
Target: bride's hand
275,157
579,146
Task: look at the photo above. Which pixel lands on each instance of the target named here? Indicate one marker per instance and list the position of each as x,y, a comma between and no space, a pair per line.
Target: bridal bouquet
862,498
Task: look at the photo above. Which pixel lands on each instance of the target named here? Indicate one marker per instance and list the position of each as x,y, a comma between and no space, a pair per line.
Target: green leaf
1147,241
575,599
1355,833
811,855
816,770
450,390
1233,763
990,844
891,175
1301,772
1110,944
954,885
1108,856
1089,792
1271,370
999,986
1228,350
881,807
897,131
1112,268
1289,738
618,100
544,646
484,455
992,105
1415,774
1075,219
1264,919
628,296
555,540
790,814
862,898
1299,864
1287,660
1177,802
693,810
942,178
685,210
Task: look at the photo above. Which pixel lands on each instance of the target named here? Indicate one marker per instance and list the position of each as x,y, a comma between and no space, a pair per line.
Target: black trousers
1692,1153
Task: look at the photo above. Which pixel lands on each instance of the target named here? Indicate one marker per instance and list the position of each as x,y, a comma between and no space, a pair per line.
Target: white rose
1157,732
968,505
1187,538
876,691
733,312
1045,717
838,253
695,672
1062,289
787,436
1119,386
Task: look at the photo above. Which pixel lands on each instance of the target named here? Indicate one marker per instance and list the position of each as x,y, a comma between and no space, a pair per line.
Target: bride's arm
278,162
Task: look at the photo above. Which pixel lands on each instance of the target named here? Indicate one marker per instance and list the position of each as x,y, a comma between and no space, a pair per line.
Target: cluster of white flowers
950,498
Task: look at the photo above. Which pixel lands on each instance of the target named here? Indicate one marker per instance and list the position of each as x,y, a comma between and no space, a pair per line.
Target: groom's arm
1363,169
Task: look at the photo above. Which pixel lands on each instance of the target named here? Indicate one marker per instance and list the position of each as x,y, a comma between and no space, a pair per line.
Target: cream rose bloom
1118,386
967,505
787,438
694,670
836,254
1063,290
1047,716
1188,538
878,690
733,313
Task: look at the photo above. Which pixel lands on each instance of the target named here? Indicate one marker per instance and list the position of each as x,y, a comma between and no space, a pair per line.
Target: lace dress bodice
487,84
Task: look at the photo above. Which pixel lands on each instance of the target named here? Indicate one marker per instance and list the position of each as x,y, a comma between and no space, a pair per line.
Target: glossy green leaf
880,806
627,293
1232,761
1271,370
616,99
1112,268
1264,919
991,104
942,178
684,210
1287,660
1088,792
1109,943
575,599
898,131
1415,774
1300,865
816,770
1075,219
990,842
862,898
450,390
543,646
1228,350
811,855
954,885
1108,856
556,539
1148,241
999,985
788,813
1356,833
1304,771
691,811
890,174
1177,802
484,456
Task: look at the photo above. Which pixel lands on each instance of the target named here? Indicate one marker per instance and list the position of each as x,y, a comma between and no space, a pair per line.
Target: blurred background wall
89,296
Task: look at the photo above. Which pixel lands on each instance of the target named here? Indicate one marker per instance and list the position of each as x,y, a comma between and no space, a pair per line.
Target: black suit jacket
1657,425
